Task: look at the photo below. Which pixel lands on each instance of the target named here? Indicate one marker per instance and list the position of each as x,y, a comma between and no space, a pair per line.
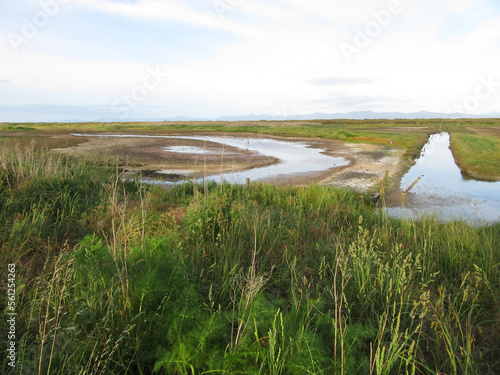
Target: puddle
295,158
192,150
179,172
443,191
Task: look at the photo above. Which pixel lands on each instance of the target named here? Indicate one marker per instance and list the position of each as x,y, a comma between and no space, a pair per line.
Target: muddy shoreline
368,163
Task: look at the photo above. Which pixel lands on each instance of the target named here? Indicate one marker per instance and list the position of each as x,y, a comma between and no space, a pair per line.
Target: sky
124,59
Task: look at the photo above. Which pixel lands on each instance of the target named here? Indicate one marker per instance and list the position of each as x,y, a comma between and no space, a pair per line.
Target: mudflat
367,167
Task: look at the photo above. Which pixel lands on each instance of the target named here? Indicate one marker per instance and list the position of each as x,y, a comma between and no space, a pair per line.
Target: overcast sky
208,58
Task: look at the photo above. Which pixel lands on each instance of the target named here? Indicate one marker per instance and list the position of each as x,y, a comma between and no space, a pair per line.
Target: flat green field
475,143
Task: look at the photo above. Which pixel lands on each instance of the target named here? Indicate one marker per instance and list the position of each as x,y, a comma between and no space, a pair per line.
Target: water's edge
444,192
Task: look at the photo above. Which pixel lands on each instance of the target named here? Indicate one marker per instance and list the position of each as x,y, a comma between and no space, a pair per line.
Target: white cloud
458,5
286,54
154,9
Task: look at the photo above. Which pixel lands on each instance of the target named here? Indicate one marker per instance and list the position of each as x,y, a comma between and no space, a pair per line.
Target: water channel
443,191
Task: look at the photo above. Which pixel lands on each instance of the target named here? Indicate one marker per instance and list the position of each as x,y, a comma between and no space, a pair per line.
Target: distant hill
361,115
99,113
357,115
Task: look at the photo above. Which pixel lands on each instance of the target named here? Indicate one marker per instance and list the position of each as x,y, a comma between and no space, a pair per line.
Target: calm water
295,158
193,150
444,192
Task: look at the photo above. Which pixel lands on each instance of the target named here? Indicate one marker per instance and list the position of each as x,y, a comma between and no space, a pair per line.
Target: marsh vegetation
117,277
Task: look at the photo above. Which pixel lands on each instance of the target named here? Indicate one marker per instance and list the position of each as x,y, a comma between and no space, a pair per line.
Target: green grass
114,278
477,155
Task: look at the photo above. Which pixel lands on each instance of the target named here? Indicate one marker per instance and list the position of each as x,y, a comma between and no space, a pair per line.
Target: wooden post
248,182
411,186
382,189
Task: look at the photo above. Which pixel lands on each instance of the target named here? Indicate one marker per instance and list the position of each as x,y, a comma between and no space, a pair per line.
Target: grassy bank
115,277
477,155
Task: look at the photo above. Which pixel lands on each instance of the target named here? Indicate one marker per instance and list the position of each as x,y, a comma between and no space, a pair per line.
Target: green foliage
228,279
477,155
46,204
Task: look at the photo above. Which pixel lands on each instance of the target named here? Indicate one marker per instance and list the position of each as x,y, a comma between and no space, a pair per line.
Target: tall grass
118,278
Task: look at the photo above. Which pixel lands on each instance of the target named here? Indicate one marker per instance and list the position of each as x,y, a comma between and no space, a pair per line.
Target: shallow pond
295,158
444,192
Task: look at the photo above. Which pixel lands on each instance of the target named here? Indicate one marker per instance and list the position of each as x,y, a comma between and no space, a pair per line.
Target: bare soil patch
368,166
149,154
490,131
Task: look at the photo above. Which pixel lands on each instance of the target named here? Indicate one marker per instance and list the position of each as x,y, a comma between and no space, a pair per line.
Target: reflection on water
295,158
442,190
195,150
